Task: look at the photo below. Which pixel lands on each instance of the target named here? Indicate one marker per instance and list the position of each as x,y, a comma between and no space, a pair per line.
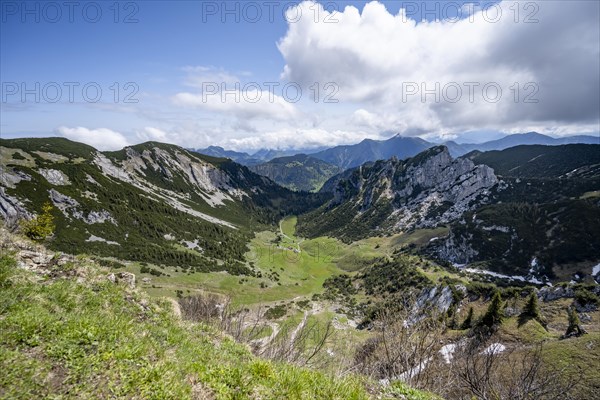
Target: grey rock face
441,182
555,293
54,177
425,191
11,209
456,250
437,296
69,207
10,177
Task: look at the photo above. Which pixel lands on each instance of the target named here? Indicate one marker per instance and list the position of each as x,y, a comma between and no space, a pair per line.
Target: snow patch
501,276
411,373
494,349
447,352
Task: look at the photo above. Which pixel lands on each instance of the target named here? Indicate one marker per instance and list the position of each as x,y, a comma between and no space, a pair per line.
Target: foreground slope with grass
68,331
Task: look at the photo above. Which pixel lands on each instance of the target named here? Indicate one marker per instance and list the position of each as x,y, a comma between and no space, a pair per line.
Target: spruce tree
494,314
574,328
468,322
532,311
532,308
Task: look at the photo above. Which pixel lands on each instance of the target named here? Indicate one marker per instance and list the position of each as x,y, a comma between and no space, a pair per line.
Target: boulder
554,293
125,277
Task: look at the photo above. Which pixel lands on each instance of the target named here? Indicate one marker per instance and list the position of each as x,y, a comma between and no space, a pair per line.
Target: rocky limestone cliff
425,191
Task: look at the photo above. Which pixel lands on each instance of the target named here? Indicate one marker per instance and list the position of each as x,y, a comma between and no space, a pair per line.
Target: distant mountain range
349,156
305,172
530,138
238,157
246,159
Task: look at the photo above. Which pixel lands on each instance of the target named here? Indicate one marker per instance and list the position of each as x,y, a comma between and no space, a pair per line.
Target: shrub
574,328
585,297
42,226
276,312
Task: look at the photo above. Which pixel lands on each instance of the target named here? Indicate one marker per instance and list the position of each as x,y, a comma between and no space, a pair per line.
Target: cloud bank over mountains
508,67
544,58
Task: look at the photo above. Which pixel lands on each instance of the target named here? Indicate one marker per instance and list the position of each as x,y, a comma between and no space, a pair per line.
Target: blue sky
165,51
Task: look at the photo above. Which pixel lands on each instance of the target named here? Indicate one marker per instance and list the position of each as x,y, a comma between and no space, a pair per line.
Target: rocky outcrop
425,191
439,189
54,176
127,278
437,297
554,293
456,250
10,177
70,208
11,209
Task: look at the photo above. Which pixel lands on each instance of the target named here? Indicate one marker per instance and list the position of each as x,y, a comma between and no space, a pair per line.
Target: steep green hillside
542,220
547,162
526,239
299,172
151,202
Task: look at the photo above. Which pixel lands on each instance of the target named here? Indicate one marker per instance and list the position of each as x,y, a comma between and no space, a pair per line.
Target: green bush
585,297
276,312
42,226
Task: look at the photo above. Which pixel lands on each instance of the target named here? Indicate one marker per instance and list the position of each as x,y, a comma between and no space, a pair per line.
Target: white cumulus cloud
101,138
432,75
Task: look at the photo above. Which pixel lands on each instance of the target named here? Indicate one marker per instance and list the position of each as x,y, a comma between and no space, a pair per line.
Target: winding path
289,238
